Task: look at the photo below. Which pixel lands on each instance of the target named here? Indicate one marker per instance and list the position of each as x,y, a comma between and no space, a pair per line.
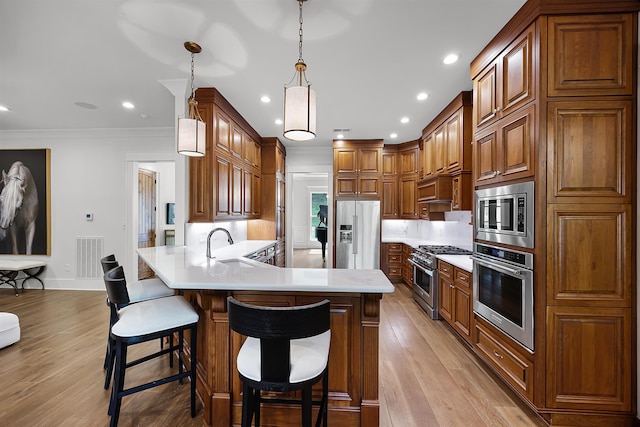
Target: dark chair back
116,286
275,327
109,262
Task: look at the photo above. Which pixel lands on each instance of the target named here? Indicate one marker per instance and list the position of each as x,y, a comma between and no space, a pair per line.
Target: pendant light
191,128
299,100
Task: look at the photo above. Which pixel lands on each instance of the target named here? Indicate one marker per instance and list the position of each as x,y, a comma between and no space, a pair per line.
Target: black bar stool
142,322
287,348
141,290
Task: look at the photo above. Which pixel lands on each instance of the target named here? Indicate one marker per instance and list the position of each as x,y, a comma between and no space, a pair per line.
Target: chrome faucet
229,239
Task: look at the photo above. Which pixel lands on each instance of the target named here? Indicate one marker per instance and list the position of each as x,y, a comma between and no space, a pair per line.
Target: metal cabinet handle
498,355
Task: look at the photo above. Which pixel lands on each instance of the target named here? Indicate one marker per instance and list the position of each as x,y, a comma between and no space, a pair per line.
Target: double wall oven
425,274
503,276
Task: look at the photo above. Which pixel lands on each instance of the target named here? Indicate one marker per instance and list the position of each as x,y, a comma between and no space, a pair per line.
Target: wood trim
210,94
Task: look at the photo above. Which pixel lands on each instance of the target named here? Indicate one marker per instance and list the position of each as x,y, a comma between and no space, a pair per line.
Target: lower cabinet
455,301
407,267
506,358
391,263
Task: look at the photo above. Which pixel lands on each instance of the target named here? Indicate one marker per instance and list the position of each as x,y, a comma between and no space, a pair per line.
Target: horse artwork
18,206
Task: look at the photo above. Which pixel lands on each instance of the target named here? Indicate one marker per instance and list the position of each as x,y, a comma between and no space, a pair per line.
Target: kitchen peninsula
355,315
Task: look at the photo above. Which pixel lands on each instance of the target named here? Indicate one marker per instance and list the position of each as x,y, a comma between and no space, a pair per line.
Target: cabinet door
516,73
485,96
389,165
236,190
236,141
461,192
223,187
408,198
454,142
370,160
461,311
223,131
589,261
445,306
256,196
440,150
590,151
248,191
516,145
428,147
578,62
589,359
389,199
409,161
345,160
369,185
485,152
346,185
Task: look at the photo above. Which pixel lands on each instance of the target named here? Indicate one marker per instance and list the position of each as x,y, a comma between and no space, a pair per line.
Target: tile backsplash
196,233
455,230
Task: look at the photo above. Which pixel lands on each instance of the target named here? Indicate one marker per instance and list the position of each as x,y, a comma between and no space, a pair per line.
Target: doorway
147,210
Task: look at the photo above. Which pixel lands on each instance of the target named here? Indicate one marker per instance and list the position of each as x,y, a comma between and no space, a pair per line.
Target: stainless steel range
425,274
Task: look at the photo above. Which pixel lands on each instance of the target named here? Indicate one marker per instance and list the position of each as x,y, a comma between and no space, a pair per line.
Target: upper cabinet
446,156
507,83
226,182
357,168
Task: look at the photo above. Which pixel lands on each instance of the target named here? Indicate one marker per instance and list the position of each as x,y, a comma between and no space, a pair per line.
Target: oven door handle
499,267
416,265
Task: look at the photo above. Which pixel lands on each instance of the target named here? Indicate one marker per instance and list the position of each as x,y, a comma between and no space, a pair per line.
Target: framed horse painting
25,202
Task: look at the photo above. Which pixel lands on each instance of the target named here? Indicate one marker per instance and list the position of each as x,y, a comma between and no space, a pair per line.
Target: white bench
10,269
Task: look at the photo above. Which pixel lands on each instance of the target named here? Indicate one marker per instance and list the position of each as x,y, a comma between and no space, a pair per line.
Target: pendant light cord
300,34
193,91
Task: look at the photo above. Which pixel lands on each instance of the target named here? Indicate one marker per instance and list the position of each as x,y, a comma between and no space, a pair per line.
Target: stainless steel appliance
358,234
503,290
425,275
505,214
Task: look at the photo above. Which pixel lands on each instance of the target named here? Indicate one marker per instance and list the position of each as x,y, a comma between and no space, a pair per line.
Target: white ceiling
367,60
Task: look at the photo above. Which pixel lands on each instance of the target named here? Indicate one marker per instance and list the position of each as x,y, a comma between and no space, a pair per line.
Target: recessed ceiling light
278,121
3,108
265,99
404,120
422,96
450,59
393,135
85,105
128,105
339,136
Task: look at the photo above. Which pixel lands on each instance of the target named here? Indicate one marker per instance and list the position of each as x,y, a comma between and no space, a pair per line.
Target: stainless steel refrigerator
357,234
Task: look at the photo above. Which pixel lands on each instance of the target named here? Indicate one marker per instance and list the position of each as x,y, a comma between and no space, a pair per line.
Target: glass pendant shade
299,113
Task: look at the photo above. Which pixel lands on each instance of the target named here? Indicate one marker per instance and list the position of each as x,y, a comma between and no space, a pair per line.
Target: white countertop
461,261
181,267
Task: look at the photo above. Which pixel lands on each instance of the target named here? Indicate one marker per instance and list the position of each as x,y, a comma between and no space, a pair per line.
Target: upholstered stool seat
287,348
9,329
147,289
145,321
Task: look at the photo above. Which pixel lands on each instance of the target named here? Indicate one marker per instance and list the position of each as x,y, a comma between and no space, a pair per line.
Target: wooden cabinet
392,261
510,361
447,153
505,150
400,166
225,183
455,300
507,83
407,267
357,168
270,192
553,106
389,198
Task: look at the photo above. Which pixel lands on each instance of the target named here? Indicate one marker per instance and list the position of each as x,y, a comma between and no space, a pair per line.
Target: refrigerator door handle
355,234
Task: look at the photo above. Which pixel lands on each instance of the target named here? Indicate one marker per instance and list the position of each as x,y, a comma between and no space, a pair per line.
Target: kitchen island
355,315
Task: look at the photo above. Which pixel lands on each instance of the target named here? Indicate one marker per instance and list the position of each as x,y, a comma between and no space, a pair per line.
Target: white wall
89,174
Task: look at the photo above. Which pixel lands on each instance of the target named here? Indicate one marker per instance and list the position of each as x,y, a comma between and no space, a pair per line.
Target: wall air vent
88,255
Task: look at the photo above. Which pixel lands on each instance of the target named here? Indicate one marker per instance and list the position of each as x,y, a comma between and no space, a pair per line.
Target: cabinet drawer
394,259
394,247
445,269
506,359
462,278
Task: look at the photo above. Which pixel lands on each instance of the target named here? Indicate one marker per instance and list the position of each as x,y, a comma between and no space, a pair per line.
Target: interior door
146,217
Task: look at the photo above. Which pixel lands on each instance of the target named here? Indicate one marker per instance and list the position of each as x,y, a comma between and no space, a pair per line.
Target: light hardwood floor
53,376
308,258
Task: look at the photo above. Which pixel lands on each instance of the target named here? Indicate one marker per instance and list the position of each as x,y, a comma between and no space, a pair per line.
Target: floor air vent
88,255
